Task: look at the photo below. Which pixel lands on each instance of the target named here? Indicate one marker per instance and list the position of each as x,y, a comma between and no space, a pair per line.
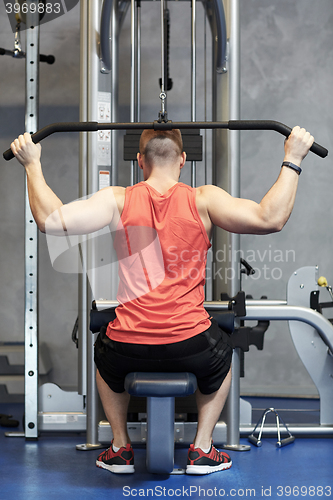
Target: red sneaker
120,462
199,462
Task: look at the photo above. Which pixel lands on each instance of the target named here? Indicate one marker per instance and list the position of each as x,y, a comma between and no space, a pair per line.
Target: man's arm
51,216
271,214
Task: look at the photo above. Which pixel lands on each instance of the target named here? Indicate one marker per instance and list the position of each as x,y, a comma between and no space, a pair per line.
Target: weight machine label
54,419
59,419
104,179
104,136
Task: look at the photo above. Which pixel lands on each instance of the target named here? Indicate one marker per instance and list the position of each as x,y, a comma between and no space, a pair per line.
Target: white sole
206,469
116,469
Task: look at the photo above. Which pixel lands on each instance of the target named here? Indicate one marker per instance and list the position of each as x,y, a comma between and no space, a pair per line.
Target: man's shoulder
112,192
118,190
112,195
206,191
210,196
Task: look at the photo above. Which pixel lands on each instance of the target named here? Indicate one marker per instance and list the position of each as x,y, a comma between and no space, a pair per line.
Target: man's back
162,247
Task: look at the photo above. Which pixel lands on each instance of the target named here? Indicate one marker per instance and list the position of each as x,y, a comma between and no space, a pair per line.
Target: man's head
159,147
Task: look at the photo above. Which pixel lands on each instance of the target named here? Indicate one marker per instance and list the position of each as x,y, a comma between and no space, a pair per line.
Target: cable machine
99,129
110,24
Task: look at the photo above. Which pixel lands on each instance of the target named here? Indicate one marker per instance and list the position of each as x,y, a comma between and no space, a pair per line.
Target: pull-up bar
169,125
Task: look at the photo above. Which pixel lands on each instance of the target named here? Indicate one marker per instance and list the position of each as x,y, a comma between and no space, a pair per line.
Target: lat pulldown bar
156,125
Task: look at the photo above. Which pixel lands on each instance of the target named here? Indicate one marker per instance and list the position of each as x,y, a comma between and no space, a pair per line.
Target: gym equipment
22,55
312,334
169,125
160,389
314,348
280,442
192,142
99,86
18,53
31,332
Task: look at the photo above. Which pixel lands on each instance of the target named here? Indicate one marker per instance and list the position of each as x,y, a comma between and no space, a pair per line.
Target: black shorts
207,356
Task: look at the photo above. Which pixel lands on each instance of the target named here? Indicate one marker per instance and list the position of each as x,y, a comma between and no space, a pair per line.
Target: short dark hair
161,145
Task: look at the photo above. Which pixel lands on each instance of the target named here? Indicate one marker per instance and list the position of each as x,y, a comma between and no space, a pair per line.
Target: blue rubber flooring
52,468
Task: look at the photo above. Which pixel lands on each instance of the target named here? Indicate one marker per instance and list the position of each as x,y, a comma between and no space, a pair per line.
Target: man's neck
161,181
161,186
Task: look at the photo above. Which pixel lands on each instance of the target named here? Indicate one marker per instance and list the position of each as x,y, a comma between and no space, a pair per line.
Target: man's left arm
243,216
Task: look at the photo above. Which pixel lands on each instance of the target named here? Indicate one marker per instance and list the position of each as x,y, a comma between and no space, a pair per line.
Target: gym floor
52,468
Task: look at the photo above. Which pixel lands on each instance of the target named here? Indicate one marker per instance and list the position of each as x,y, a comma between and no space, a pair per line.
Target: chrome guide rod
114,111
233,408
295,429
83,191
133,79
93,67
133,61
138,74
193,81
114,91
205,94
138,69
98,80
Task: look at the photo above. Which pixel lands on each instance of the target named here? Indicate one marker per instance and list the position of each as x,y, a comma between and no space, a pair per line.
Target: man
161,323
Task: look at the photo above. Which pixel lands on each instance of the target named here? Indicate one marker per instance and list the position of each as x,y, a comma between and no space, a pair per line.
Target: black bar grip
48,59
231,125
57,127
273,125
19,55
8,155
3,52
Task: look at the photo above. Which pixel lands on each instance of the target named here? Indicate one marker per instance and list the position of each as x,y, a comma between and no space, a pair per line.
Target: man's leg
209,410
115,407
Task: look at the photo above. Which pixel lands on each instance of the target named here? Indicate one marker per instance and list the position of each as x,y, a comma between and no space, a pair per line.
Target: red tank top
162,245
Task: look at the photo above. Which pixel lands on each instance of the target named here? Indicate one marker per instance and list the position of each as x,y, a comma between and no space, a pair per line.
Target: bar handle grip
48,59
285,441
273,125
57,127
